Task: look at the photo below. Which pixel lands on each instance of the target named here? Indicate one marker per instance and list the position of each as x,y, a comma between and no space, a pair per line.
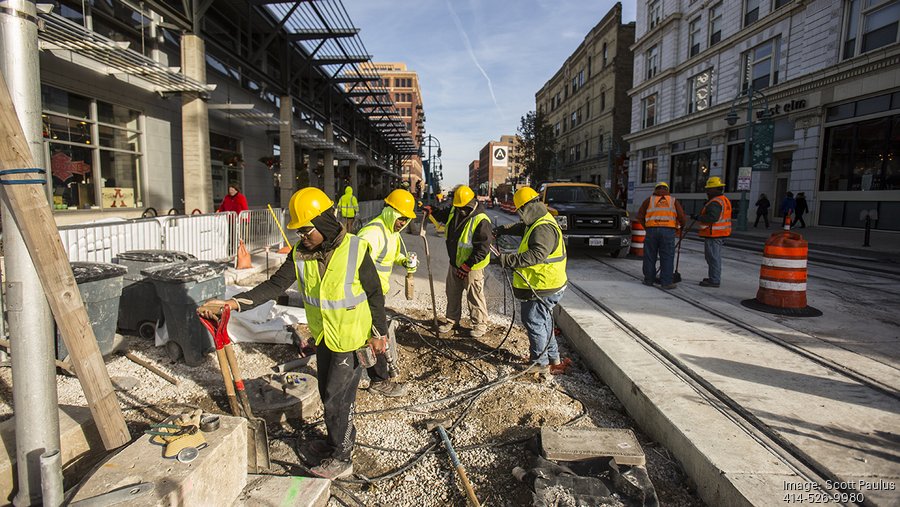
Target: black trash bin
100,285
181,288
139,308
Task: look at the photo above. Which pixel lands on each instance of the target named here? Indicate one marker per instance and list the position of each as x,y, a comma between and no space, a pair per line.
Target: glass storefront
689,170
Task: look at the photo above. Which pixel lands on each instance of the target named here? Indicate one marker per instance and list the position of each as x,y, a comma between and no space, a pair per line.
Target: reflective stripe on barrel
637,239
782,276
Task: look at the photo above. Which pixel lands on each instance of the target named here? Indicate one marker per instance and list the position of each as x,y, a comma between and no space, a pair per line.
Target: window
648,111
690,171
654,13
699,90
577,152
603,101
556,129
226,169
761,65
694,37
648,165
862,156
777,4
587,109
751,12
715,24
571,154
600,147
574,119
605,55
589,67
651,61
871,24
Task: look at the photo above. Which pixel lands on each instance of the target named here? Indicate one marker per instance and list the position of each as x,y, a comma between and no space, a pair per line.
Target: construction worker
661,215
387,249
715,218
349,207
468,237
342,296
539,274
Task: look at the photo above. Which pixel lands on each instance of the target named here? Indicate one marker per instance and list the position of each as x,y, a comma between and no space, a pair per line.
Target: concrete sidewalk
885,245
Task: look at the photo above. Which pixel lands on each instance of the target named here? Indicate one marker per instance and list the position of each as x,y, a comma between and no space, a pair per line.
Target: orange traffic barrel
782,277
637,239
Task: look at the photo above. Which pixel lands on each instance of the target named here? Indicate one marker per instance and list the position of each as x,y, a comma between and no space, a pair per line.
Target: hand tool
216,331
410,287
676,277
116,496
287,242
438,424
430,277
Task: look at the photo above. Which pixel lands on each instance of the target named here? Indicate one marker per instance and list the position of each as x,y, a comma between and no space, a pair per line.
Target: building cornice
668,20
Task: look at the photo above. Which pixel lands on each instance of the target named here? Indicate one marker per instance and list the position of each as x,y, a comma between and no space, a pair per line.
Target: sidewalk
885,245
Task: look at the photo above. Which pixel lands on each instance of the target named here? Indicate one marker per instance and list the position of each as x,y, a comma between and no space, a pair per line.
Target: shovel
257,437
676,277
430,277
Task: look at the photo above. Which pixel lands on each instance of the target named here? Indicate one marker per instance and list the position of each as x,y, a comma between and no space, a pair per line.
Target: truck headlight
623,223
563,221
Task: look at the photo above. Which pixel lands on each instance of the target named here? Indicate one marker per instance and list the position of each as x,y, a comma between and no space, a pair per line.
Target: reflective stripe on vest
721,228
464,247
549,274
384,263
336,307
348,206
661,212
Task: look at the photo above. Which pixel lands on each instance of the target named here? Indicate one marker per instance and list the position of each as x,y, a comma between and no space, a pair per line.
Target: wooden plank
28,205
577,444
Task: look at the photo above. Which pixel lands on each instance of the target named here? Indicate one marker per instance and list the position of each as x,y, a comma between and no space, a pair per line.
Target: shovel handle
238,381
229,382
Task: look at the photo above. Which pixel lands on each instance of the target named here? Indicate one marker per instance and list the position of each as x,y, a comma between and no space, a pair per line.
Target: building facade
495,166
586,103
473,173
825,73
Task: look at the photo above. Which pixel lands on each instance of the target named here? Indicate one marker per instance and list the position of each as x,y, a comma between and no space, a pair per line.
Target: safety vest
661,212
336,306
721,228
348,205
549,274
384,258
464,246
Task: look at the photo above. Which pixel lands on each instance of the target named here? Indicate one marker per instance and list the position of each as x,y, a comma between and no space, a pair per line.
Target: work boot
448,327
315,451
478,331
706,282
389,389
669,286
332,468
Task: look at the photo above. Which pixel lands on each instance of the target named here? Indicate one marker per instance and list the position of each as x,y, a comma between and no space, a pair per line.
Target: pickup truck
588,217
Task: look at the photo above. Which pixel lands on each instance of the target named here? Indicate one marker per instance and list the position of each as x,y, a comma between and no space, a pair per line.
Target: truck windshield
593,195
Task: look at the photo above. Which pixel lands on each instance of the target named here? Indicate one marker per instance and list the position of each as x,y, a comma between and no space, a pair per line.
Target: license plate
595,241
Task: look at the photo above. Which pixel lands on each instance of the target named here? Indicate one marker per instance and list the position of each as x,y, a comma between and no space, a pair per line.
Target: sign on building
745,175
500,156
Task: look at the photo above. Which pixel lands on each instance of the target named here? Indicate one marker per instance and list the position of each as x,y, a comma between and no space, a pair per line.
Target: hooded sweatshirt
334,233
396,250
347,204
541,244
481,236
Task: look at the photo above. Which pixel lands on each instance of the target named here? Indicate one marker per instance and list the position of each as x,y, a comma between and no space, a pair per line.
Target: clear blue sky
480,62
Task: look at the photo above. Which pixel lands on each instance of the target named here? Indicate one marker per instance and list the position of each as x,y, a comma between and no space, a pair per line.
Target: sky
480,62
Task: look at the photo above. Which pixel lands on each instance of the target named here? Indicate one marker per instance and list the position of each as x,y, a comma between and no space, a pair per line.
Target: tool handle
229,382
468,485
238,381
278,223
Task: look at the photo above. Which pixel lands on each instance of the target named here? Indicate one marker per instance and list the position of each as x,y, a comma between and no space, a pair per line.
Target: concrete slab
215,477
284,491
80,446
576,444
280,399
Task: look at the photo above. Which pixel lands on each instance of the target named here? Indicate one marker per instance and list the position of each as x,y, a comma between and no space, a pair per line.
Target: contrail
472,54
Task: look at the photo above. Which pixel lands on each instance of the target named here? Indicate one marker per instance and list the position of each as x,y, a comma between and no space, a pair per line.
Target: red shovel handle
219,330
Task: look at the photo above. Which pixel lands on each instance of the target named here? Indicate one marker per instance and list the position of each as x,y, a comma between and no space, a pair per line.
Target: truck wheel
147,329
622,252
173,350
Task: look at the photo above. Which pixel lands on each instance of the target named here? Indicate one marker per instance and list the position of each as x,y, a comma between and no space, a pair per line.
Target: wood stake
147,364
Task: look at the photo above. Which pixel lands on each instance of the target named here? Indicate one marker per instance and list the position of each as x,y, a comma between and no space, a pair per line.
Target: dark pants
799,220
339,375
379,372
659,242
764,216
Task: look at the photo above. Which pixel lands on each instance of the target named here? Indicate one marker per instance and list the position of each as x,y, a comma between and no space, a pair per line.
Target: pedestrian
344,305
468,236
788,205
716,219
349,206
661,215
801,208
387,249
539,275
762,210
234,200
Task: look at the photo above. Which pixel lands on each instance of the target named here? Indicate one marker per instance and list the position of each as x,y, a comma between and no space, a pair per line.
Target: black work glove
463,271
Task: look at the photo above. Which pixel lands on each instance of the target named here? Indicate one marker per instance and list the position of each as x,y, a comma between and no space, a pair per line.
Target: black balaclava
329,227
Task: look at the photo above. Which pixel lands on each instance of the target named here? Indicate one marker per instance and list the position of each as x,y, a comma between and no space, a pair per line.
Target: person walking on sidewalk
387,249
801,208
762,210
715,218
788,207
539,274
468,232
349,207
662,216
344,305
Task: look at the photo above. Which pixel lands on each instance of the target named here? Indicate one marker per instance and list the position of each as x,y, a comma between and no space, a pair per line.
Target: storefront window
862,156
227,163
690,171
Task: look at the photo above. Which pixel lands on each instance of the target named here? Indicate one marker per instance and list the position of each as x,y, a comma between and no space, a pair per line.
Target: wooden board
578,444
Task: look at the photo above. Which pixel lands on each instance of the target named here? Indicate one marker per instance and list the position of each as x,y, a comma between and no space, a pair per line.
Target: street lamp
430,142
732,118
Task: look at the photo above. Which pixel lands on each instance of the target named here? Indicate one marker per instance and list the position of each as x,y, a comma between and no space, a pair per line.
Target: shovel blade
676,277
257,446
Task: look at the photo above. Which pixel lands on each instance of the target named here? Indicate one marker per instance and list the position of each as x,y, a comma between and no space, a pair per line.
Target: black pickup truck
588,217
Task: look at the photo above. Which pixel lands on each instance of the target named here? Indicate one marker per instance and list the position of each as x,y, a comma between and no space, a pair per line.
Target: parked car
588,217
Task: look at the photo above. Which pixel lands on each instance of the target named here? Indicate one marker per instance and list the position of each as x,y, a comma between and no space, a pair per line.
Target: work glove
695,216
212,308
427,209
462,272
411,263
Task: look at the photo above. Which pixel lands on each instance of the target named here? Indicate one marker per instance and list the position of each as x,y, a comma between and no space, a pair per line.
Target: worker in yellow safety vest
715,218
662,216
387,249
349,208
539,274
344,305
468,238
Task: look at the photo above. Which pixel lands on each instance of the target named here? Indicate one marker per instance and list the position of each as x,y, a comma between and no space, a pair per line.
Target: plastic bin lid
95,271
190,271
155,256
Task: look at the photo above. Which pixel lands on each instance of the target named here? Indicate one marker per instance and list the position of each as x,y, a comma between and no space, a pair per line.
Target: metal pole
51,479
742,221
30,320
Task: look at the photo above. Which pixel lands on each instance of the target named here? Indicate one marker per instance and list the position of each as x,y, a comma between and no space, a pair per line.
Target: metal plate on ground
578,444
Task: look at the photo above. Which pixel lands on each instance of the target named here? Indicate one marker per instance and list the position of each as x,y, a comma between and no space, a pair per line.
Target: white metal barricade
258,230
210,237
101,242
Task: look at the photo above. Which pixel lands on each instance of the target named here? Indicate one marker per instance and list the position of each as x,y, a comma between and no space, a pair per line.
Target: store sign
761,151
785,107
500,156
745,174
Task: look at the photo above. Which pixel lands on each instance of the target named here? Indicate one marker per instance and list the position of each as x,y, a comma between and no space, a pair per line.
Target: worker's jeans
712,250
537,317
659,241
339,374
473,284
379,372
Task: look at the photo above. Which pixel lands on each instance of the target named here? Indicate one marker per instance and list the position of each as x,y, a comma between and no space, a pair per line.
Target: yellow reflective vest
464,246
385,249
337,310
549,274
348,205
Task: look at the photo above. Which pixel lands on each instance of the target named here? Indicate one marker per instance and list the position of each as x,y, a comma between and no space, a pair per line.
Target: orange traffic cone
243,257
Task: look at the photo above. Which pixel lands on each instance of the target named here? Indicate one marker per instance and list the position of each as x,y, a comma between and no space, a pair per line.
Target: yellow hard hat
440,196
462,196
524,195
714,182
402,201
306,204
662,184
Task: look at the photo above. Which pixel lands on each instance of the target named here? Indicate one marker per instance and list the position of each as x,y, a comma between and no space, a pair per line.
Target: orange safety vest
661,212
721,228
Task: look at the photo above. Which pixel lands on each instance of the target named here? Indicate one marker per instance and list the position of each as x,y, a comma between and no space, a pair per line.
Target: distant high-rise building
496,166
473,174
